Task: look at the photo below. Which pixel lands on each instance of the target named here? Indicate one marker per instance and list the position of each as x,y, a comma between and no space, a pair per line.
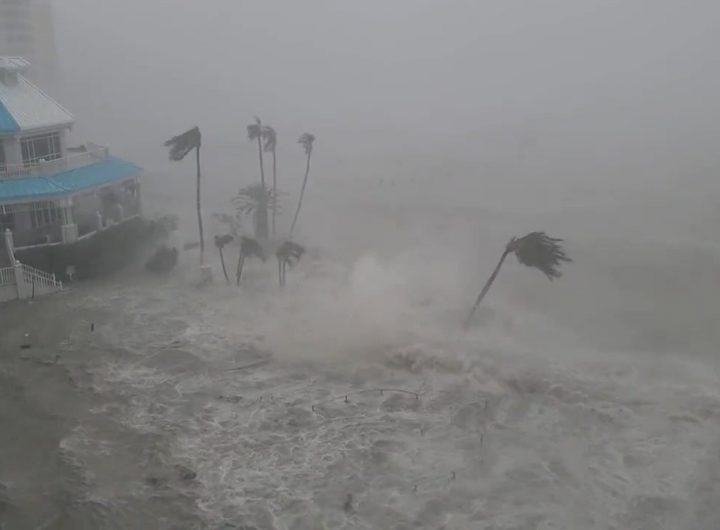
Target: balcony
94,153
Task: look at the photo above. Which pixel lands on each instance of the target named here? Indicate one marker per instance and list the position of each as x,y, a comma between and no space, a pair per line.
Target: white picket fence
23,281
7,276
42,281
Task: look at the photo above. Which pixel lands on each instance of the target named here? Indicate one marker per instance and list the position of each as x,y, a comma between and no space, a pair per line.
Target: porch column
69,229
10,246
24,289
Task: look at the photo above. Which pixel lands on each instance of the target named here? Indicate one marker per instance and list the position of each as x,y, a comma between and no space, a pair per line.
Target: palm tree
287,255
533,250
270,145
255,133
254,200
306,140
249,248
180,146
220,242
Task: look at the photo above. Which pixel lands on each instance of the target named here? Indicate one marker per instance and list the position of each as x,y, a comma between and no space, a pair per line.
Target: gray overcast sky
602,73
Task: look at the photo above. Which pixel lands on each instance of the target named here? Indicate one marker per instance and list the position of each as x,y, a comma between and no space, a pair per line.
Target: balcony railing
51,167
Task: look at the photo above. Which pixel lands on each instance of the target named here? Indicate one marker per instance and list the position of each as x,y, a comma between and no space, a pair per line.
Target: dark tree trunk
261,226
302,194
485,289
222,262
238,272
199,208
274,191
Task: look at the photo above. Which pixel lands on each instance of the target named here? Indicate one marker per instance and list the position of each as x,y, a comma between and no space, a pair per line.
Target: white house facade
51,193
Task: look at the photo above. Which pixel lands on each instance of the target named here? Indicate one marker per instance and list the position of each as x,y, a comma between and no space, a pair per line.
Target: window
44,213
42,147
7,218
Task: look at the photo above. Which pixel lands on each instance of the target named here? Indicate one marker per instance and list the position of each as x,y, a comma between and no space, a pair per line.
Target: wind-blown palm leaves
537,250
254,200
270,146
255,133
287,255
180,146
249,248
306,140
220,242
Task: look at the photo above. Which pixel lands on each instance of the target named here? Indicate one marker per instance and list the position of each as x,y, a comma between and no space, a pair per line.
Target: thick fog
352,397
599,91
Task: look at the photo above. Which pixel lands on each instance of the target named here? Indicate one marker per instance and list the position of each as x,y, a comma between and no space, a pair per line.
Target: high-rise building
27,30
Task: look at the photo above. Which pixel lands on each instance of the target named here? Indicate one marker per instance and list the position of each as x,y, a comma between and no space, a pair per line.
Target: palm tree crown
182,144
306,140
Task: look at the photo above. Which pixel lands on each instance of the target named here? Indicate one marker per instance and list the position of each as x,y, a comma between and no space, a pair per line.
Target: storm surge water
353,399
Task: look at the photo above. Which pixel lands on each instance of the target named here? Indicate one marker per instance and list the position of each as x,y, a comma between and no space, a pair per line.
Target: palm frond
270,139
221,241
540,251
290,252
307,140
250,247
254,130
252,197
182,144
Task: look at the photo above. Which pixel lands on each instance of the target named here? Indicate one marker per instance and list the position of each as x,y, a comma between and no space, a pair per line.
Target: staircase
22,281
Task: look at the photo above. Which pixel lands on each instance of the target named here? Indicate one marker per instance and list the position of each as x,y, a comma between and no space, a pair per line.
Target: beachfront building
51,193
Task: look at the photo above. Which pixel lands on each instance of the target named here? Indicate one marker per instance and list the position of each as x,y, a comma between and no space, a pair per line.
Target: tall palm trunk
274,192
199,208
262,213
486,288
302,194
262,164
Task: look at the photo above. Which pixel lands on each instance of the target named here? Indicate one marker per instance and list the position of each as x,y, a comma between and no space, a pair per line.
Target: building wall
27,30
17,31
13,149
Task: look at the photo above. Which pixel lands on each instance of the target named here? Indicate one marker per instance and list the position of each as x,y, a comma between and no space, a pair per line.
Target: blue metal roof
7,122
74,180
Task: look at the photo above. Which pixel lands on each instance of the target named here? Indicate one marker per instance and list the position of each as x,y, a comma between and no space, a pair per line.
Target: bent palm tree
255,133
287,255
180,146
306,140
249,248
270,146
536,250
220,242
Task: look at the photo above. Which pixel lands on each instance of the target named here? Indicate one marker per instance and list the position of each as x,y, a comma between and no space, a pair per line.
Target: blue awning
107,171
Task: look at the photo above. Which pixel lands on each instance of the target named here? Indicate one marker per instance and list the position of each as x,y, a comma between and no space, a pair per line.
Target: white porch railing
50,167
7,276
40,279
22,281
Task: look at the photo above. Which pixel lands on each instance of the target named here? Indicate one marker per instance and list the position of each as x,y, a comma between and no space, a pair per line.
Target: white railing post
23,289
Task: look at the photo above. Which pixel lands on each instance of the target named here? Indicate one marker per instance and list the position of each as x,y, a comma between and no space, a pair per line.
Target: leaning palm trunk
199,208
261,225
222,262
180,146
306,140
274,191
220,242
302,195
533,250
